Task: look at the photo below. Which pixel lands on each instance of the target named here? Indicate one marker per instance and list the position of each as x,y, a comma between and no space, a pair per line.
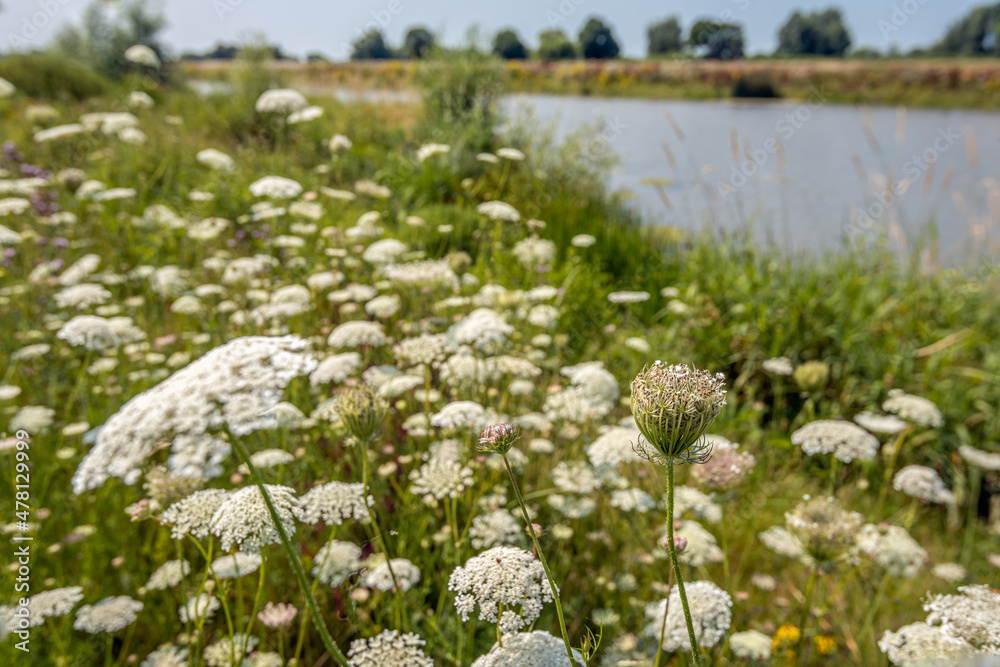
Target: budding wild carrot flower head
673,407
362,411
498,438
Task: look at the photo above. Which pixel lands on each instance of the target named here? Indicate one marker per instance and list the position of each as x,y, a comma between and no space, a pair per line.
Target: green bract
673,407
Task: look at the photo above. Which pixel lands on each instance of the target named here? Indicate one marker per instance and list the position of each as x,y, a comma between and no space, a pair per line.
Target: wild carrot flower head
362,411
498,438
673,406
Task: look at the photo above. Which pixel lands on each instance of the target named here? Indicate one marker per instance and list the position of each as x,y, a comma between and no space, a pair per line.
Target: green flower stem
972,516
256,603
873,609
293,557
672,548
804,618
397,592
541,557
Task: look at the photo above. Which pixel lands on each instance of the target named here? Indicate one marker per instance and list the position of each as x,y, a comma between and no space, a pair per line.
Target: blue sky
301,26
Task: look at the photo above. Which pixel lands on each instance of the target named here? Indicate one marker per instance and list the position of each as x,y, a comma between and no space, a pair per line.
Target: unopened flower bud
498,438
362,411
673,407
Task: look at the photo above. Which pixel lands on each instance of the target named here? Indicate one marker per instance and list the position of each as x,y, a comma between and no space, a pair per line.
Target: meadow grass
875,320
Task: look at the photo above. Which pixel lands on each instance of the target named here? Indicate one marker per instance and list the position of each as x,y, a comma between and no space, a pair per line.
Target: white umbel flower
333,503
109,615
243,520
140,54
336,561
276,187
236,385
336,368
923,645
49,604
710,615
356,334
504,577
750,645
528,649
281,101
89,332
914,409
215,159
924,484
440,478
498,210
845,440
380,578
193,514
389,649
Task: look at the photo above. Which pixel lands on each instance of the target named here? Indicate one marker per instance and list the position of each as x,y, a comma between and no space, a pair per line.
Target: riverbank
958,83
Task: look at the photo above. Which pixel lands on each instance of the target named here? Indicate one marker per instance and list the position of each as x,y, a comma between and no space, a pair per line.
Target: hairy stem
672,548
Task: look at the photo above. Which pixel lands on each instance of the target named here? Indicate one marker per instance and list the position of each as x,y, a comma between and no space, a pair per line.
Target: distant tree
596,40
106,31
819,34
665,37
316,57
866,53
371,46
418,43
717,40
508,46
974,34
555,45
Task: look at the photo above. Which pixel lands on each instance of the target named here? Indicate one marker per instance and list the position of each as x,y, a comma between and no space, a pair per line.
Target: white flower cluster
893,549
109,615
495,529
236,384
440,478
528,649
710,614
355,334
333,503
483,329
389,648
923,483
462,415
243,520
380,577
914,409
843,439
336,561
501,577
193,514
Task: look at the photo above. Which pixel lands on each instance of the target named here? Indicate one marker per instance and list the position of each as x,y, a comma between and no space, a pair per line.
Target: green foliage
717,40
371,46
665,37
107,30
968,36
418,43
596,40
52,77
508,45
755,85
555,45
461,93
817,33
